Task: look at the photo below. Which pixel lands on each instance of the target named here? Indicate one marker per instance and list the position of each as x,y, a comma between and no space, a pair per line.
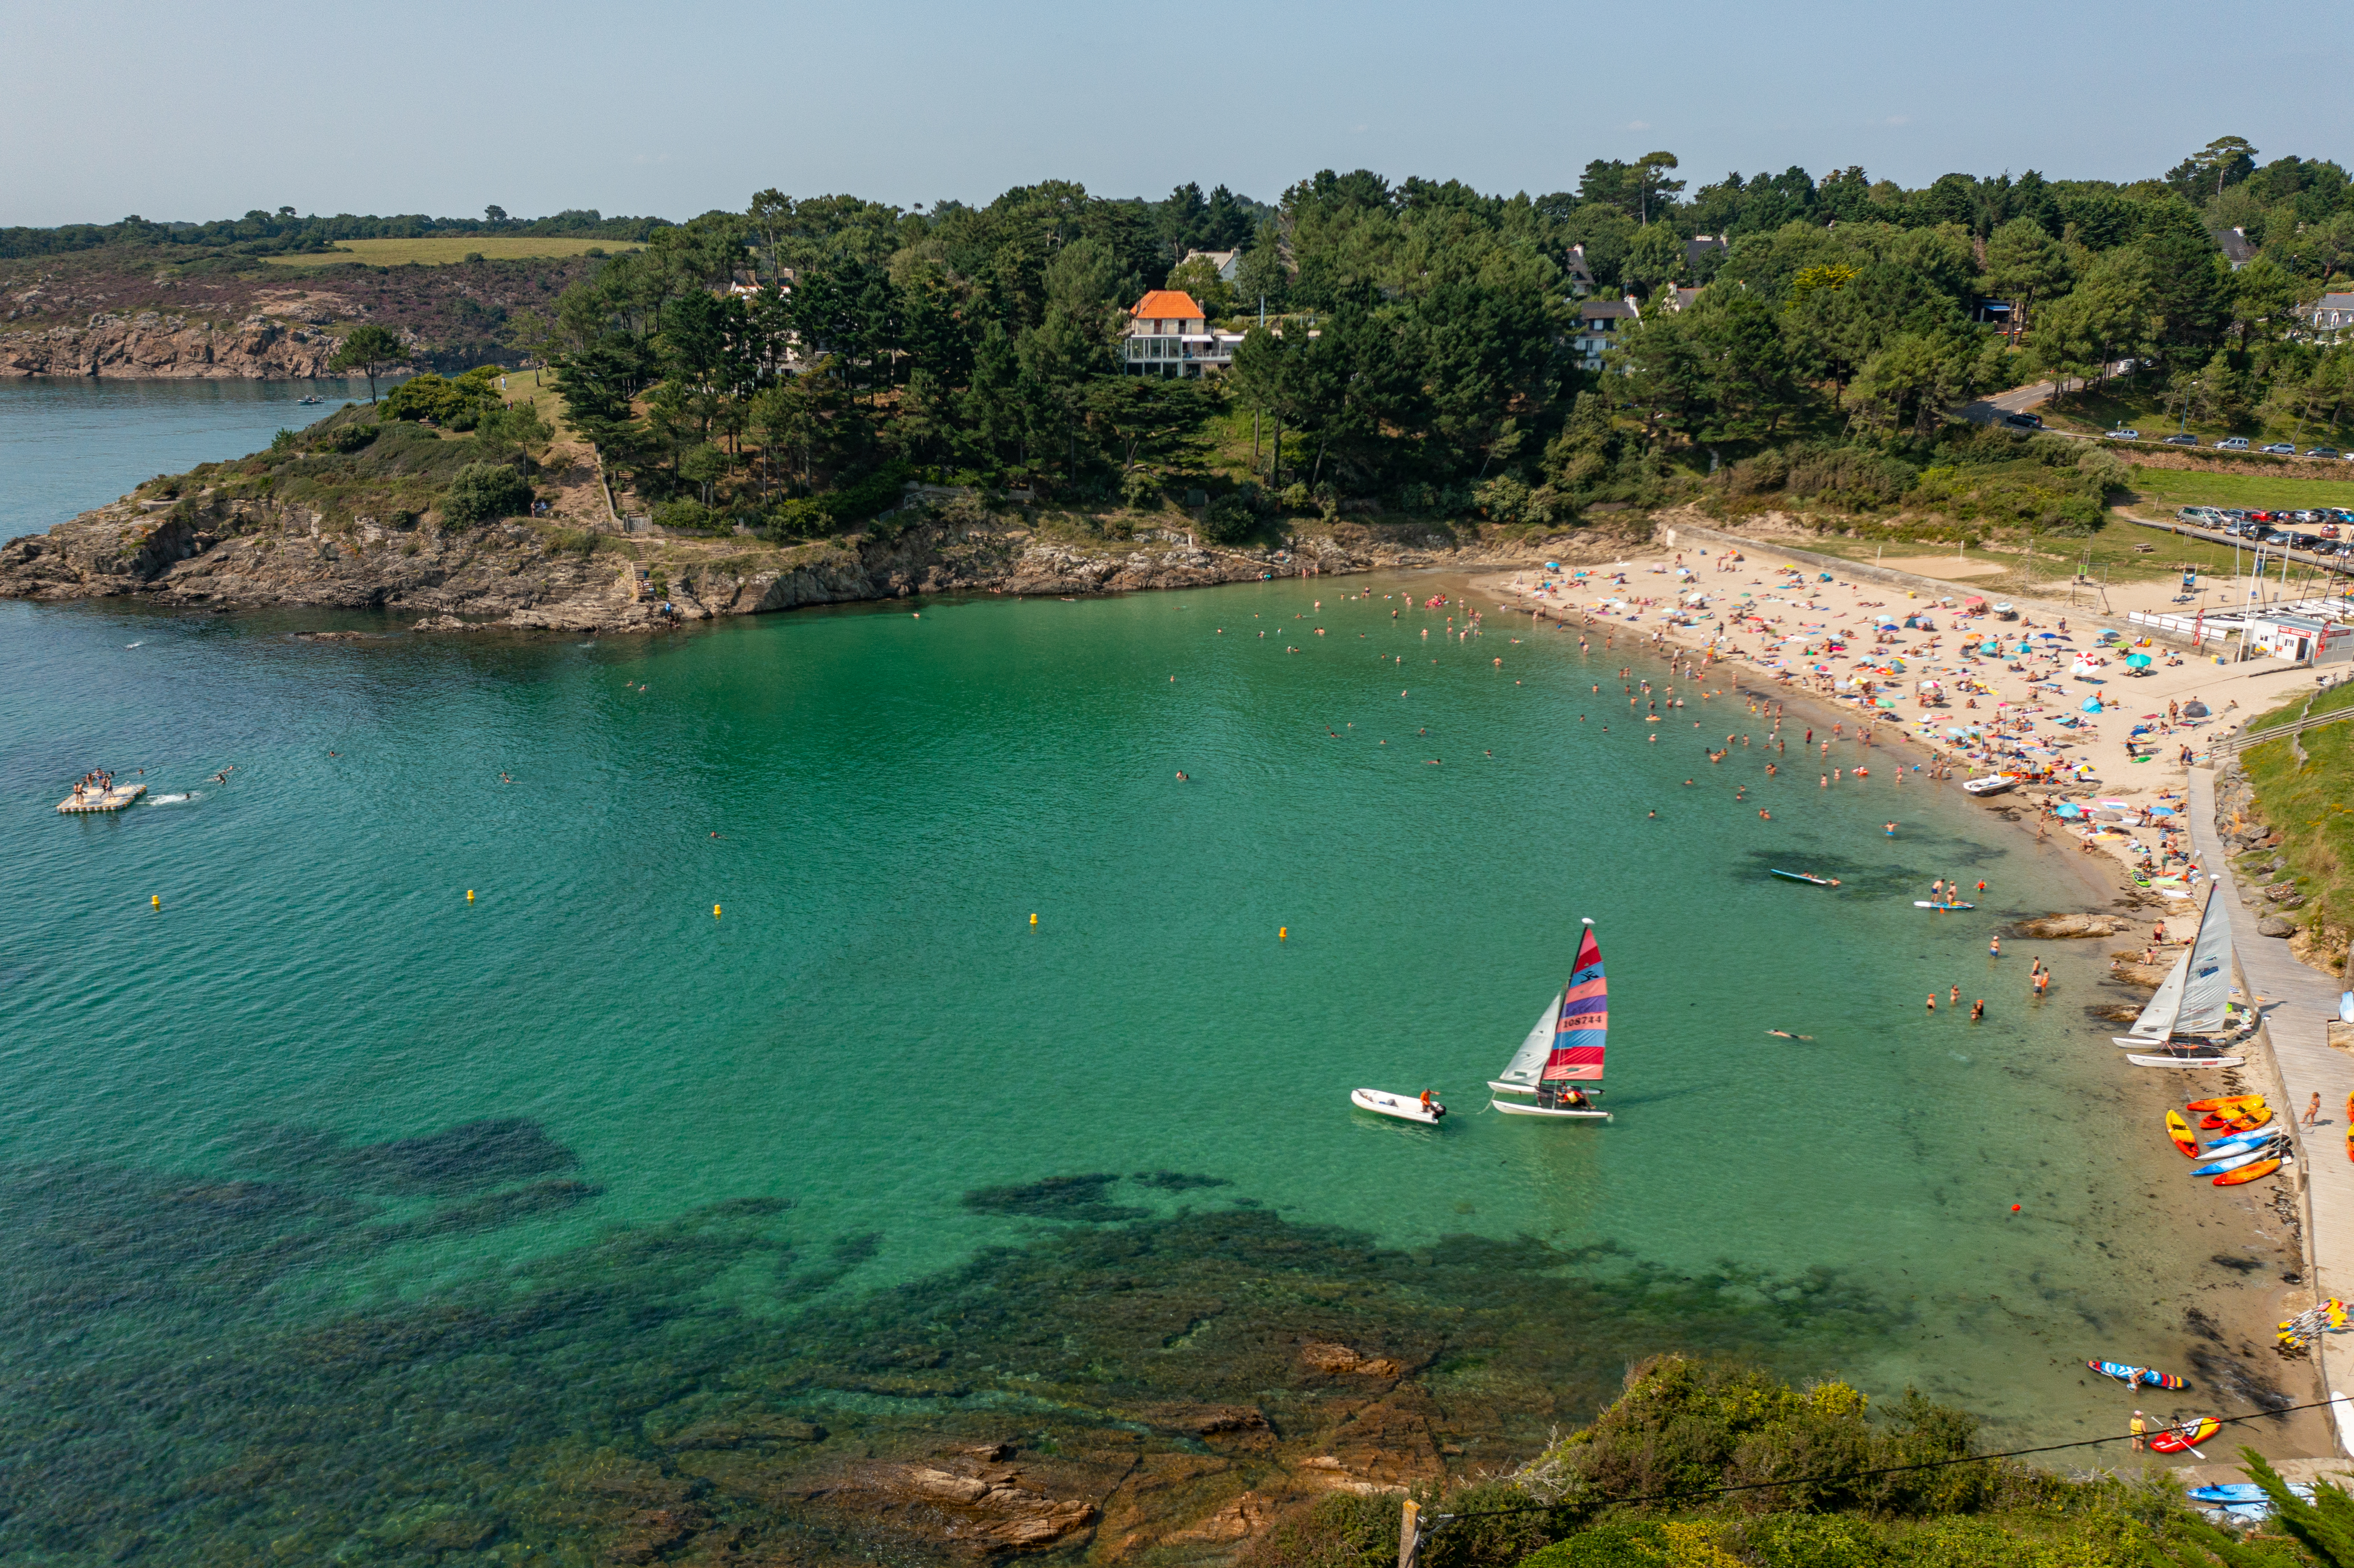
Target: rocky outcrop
2273,926
2061,927
207,550
977,1503
156,345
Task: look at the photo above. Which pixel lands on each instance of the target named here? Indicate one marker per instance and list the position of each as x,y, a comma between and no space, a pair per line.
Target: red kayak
2186,1437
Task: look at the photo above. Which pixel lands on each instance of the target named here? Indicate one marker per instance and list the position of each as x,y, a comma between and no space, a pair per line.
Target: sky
180,111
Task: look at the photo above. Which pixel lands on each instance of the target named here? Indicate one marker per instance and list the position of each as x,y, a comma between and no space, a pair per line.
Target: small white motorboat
1992,784
1405,1107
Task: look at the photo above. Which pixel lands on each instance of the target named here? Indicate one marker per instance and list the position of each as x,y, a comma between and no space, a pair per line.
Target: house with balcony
1599,324
1168,335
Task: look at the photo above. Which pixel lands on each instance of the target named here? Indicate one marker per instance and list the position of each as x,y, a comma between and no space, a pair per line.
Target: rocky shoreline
213,552
174,347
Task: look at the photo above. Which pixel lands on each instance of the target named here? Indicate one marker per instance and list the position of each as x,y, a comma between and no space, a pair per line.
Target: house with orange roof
1168,335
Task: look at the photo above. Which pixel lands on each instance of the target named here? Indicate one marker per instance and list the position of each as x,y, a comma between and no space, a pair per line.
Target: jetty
90,800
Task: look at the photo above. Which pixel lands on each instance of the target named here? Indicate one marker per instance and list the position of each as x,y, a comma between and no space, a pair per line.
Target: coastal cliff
156,344
212,550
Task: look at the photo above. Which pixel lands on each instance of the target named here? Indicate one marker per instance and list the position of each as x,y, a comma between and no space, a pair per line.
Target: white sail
1530,1059
2207,991
2157,1020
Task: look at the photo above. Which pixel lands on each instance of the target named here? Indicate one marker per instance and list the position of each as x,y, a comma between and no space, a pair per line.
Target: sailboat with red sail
1560,1062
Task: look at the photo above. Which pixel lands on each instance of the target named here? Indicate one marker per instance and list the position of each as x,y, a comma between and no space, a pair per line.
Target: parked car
2122,435
2179,440
2280,449
2277,537
2232,444
2344,552
2023,421
2321,451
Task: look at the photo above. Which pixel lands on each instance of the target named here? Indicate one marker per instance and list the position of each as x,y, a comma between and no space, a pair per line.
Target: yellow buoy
470,895
1033,919
1283,933
714,912
155,900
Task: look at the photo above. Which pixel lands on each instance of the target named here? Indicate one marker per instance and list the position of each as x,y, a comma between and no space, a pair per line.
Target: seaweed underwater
1129,1372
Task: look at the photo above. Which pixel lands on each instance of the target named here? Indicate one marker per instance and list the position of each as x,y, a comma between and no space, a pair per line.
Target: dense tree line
1411,343
282,232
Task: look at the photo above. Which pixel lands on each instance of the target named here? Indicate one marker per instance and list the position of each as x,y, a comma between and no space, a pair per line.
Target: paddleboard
2136,1375
2234,1160
2257,1172
1925,904
1803,876
1405,1107
2186,1437
2186,1061
2225,1102
2179,1131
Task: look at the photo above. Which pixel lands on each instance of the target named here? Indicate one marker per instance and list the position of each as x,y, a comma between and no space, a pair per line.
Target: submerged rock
2061,927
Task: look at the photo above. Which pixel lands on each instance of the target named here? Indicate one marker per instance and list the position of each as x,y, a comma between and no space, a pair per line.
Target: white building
1599,323
2305,640
1229,263
1170,336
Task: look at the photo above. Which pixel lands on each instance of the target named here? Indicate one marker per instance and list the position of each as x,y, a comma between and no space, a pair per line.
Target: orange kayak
2184,1138
2246,1119
2247,1172
2225,1102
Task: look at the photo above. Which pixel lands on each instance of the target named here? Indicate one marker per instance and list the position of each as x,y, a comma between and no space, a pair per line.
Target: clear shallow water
69,445
230,1190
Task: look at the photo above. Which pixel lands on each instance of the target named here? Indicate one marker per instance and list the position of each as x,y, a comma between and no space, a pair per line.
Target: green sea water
752,920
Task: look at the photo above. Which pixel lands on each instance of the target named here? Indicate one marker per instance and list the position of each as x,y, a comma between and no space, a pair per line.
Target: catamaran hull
1402,1107
1561,1112
1502,1088
2186,1061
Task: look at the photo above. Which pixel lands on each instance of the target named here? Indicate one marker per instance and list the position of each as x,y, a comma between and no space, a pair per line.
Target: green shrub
346,438
482,491
429,397
1228,519
1851,478
1140,489
688,515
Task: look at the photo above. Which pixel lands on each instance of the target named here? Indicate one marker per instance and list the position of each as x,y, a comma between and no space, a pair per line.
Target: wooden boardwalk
114,799
2298,1005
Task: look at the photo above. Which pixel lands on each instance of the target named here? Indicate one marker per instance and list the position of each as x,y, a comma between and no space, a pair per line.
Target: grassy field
538,388
2141,408
441,251
2306,801
2109,555
2168,488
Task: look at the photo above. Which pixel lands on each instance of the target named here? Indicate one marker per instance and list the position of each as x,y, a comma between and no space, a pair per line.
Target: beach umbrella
2137,661
2048,636
2092,704
2194,709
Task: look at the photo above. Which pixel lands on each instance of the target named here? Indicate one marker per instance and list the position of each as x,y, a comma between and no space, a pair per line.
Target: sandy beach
2132,802
2123,768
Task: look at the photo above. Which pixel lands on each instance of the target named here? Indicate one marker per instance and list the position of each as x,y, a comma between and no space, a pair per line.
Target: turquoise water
69,445
227,1138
